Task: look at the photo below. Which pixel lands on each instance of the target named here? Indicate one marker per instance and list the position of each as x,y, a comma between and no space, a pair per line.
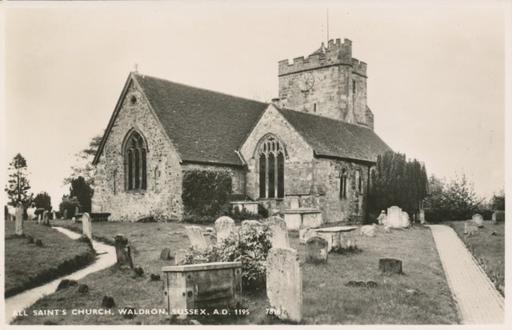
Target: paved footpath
479,302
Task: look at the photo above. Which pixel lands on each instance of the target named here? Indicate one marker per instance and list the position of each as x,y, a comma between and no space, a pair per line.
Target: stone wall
162,198
327,178
298,167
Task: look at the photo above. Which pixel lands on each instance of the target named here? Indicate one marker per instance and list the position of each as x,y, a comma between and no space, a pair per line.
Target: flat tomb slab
203,266
337,229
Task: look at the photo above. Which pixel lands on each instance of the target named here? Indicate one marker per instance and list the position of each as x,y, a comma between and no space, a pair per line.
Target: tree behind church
18,185
83,193
397,181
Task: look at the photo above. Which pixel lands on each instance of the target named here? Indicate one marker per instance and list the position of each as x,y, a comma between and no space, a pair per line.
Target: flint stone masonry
279,238
284,283
19,221
209,285
86,225
317,250
196,237
224,226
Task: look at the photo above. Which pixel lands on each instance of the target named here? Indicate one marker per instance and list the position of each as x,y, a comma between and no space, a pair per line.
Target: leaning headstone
224,227
317,250
478,220
46,218
86,225
390,266
196,237
19,221
284,283
123,251
279,232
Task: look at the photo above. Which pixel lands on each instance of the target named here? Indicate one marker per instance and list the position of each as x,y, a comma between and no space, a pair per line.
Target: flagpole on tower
327,16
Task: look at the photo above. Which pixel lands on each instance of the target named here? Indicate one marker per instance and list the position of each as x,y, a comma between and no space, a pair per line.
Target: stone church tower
329,83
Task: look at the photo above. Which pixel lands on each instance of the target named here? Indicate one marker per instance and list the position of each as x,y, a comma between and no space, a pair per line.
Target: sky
435,71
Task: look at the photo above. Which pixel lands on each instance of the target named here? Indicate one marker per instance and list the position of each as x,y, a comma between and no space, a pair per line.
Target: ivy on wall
206,192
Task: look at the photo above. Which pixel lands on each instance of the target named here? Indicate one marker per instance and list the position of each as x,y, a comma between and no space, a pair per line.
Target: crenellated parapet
358,67
335,53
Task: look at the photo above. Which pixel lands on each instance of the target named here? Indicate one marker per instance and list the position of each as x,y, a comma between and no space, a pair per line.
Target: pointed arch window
135,162
343,184
271,155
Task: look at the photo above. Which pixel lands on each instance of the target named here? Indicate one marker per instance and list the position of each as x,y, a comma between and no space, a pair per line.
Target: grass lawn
326,300
488,250
28,265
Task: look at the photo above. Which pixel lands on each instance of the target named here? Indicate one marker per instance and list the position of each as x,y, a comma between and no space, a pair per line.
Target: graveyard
39,256
348,288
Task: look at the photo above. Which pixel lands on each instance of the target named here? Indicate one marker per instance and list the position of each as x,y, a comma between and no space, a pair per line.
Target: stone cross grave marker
317,250
284,283
195,235
123,251
86,225
19,221
279,232
224,226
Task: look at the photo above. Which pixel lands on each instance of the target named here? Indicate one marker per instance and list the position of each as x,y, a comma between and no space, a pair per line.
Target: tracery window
271,168
135,162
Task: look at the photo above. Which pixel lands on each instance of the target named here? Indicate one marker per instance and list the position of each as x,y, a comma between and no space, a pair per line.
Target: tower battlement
336,52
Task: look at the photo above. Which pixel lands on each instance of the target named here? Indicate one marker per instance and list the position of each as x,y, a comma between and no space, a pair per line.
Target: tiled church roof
205,126
210,127
333,138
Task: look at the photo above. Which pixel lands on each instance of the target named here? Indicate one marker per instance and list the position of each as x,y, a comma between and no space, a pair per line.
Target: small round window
133,99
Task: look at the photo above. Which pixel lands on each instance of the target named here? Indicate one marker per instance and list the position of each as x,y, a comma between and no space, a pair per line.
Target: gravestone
46,218
165,254
39,218
478,220
390,266
196,237
180,257
224,226
54,215
279,233
73,220
31,213
123,251
382,217
394,217
284,283
86,225
19,221
305,234
317,250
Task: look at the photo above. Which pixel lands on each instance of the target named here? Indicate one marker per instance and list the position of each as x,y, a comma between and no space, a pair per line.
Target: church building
309,151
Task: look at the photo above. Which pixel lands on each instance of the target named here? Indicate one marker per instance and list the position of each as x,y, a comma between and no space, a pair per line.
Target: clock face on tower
306,82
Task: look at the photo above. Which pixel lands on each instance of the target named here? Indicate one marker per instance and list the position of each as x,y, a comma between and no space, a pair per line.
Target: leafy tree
498,202
43,200
83,162
68,204
397,181
83,193
18,186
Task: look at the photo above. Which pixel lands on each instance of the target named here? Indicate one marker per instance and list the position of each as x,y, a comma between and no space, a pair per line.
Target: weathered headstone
31,213
279,233
19,221
86,225
46,218
478,220
394,217
196,237
284,283
390,266
123,251
305,234
317,250
422,216
224,227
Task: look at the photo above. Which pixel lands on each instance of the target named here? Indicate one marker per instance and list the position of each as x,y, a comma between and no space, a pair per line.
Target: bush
70,204
205,194
250,247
